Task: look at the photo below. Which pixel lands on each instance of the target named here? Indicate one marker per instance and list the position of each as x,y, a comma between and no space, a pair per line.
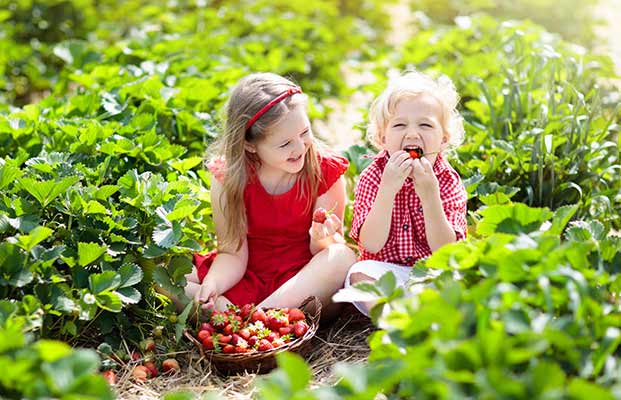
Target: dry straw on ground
343,340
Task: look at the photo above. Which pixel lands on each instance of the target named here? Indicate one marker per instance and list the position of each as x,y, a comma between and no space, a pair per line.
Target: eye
282,146
398,125
426,125
305,133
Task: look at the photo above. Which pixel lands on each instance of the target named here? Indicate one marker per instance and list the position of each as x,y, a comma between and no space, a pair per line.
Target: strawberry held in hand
320,215
414,152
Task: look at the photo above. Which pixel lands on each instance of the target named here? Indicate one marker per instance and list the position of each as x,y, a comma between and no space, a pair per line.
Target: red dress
278,238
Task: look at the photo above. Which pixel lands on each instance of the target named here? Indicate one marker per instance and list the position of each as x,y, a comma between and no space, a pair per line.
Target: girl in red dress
270,176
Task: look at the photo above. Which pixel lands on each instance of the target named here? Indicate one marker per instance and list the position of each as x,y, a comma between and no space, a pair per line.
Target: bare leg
321,277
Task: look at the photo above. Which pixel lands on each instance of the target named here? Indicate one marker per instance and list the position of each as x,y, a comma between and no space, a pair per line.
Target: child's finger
426,165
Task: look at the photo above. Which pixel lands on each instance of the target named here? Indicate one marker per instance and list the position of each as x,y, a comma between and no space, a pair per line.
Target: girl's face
416,122
285,144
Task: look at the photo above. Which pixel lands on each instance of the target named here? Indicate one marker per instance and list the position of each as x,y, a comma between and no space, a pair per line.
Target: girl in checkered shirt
409,201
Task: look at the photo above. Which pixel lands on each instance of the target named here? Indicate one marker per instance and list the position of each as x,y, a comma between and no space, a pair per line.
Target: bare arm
376,227
230,265
331,231
437,227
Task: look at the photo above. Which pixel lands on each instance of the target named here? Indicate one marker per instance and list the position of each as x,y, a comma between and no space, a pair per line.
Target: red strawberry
229,348
202,335
245,310
240,349
252,340
218,320
225,339
152,368
264,345
415,152
208,343
140,373
244,333
300,328
148,344
136,356
109,376
259,315
320,215
170,365
295,314
285,330
206,326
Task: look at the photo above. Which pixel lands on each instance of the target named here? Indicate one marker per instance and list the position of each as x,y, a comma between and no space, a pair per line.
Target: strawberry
285,330
278,342
415,152
202,335
218,320
277,319
208,343
136,356
259,315
244,333
109,376
148,344
229,348
320,215
239,349
171,366
295,314
264,345
206,326
272,336
245,310
152,368
300,328
225,339
140,373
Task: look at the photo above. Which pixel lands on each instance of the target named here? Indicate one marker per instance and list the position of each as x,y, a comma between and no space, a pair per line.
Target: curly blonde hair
412,84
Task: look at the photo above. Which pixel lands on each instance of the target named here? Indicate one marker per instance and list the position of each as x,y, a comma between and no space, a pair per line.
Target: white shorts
375,269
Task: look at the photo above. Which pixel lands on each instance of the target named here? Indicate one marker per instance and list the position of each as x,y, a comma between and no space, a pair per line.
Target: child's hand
206,295
397,169
331,226
425,181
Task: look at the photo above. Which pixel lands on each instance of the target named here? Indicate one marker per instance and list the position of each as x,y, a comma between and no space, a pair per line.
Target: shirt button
405,227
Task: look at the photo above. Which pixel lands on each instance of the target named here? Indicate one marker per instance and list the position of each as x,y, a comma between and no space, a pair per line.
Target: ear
446,137
249,147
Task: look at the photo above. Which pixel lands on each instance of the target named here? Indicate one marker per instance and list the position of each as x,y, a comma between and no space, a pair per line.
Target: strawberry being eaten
414,152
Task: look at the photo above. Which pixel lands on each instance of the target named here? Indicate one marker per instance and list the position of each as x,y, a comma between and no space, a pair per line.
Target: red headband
266,108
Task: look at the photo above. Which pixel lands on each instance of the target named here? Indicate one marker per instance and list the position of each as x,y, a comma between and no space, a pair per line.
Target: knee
341,256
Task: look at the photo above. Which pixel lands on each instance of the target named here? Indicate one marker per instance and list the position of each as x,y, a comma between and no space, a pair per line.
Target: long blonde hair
250,95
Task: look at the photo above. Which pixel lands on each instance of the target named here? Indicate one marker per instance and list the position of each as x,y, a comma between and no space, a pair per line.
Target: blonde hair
249,96
412,84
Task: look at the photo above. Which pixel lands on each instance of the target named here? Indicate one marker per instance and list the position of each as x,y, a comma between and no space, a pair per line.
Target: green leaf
109,301
63,373
106,191
580,389
562,216
9,173
52,350
36,236
13,268
130,274
167,236
88,253
186,164
296,369
95,207
513,218
182,321
46,191
105,281
129,295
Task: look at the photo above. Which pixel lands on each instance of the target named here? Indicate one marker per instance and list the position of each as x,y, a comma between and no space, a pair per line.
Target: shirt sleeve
454,202
332,167
364,197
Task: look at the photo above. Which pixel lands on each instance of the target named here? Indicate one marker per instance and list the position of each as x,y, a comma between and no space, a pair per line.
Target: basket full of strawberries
247,338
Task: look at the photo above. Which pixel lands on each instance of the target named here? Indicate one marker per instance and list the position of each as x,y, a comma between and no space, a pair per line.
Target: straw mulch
342,340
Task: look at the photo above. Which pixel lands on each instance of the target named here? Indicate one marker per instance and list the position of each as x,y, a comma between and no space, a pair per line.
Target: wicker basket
263,361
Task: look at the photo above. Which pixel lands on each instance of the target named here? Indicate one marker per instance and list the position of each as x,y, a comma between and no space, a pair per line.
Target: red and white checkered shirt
407,241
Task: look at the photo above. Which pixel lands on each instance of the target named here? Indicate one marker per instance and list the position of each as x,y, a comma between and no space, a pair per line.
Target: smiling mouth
295,159
414,151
